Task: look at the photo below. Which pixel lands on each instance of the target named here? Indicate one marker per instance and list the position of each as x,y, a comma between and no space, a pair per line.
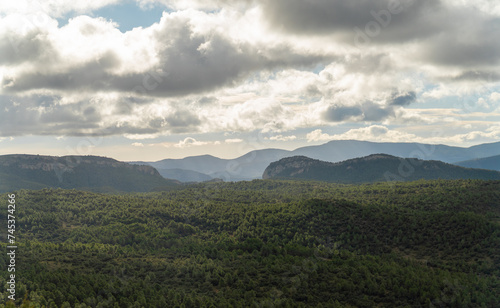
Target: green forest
264,243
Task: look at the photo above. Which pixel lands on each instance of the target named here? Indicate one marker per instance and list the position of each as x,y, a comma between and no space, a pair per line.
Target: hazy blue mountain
491,163
82,172
183,175
252,165
247,167
372,168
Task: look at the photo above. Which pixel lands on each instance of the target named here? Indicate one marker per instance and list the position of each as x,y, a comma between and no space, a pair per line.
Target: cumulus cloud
495,96
187,59
189,142
318,135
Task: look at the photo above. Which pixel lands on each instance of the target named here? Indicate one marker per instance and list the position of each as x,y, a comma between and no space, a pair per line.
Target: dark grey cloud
404,99
473,43
396,19
363,112
336,113
446,35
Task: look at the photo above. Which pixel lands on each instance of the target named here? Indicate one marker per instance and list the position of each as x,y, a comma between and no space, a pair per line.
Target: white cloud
318,135
137,144
283,138
495,96
189,142
377,133
233,140
54,8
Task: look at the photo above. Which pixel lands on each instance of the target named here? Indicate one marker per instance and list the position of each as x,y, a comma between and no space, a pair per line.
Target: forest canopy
264,243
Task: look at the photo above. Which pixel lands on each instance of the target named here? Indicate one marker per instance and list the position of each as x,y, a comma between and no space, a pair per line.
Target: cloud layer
242,66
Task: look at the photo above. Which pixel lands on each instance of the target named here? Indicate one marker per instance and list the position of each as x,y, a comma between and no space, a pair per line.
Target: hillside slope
83,172
372,168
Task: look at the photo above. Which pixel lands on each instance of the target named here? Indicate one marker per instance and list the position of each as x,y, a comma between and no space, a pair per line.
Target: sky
154,79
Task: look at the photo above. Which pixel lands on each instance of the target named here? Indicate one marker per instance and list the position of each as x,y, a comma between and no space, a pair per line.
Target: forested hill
83,172
372,168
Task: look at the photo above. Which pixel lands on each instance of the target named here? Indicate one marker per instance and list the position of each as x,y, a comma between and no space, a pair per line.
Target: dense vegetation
264,243
372,168
92,173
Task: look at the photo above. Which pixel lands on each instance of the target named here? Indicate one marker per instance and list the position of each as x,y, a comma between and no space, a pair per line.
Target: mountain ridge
371,168
84,172
252,164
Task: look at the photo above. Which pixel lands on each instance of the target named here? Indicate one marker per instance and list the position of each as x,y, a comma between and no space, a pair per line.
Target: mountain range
82,172
372,168
106,174
252,165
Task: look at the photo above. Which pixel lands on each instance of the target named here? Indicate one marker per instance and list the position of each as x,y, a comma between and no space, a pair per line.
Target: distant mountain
183,175
247,167
372,168
252,165
82,172
340,150
490,163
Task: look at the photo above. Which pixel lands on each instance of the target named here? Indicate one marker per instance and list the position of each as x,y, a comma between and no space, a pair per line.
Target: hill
82,172
372,168
490,163
252,165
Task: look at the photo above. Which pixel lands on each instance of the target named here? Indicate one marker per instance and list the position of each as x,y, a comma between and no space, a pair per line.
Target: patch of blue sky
127,14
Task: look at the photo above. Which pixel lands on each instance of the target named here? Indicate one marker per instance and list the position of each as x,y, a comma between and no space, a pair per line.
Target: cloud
366,111
245,65
283,138
495,96
54,8
390,20
404,99
377,133
318,135
189,142
233,140
189,55
138,144
338,113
